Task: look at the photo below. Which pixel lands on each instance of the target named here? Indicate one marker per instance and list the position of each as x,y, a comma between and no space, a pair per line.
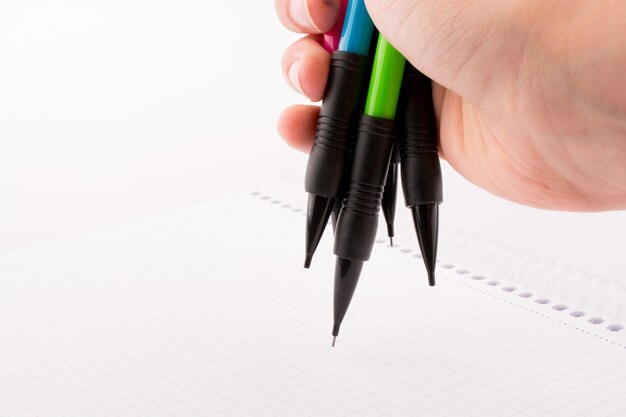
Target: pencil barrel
417,137
358,221
328,161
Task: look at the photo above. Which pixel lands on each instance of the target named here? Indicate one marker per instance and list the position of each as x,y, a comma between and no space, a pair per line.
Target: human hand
530,96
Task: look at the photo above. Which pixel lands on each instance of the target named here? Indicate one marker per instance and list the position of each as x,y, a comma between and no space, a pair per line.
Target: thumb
461,44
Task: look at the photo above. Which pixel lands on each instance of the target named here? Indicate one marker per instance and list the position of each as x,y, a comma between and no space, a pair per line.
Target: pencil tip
307,261
431,278
334,340
426,220
318,211
391,240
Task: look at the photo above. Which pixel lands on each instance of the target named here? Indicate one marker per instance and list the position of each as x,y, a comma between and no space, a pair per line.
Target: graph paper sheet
208,312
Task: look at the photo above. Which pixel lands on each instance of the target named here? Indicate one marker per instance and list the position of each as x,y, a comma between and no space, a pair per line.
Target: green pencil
358,220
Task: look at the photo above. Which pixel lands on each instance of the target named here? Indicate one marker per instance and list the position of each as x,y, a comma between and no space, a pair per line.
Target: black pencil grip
417,137
358,222
328,161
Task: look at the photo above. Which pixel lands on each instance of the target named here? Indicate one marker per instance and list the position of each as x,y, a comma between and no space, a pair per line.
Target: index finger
308,16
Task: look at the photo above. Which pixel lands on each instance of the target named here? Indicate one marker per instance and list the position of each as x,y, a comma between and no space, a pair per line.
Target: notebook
208,312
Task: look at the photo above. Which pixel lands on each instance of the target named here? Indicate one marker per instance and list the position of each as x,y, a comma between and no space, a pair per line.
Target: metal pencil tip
334,339
390,240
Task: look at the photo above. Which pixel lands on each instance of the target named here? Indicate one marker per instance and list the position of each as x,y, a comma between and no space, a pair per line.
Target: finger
297,124
308,16
305,67
462,44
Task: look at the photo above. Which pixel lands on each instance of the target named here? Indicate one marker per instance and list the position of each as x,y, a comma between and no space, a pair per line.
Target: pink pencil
331,38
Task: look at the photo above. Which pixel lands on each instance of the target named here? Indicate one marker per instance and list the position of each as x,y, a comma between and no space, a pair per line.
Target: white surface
111,111
148,321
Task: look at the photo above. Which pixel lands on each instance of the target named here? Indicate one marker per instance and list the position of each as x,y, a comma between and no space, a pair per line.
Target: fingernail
294,76
299,12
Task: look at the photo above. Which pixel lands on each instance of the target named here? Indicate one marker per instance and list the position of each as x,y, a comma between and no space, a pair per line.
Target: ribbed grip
417,137
358,221
328,161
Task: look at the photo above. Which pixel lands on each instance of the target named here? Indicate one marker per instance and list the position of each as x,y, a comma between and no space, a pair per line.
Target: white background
113,111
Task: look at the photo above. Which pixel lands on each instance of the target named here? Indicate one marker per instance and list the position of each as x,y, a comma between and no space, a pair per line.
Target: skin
530,95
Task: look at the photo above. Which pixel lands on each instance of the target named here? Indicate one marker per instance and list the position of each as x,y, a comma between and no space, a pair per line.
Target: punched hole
559,307
577,313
